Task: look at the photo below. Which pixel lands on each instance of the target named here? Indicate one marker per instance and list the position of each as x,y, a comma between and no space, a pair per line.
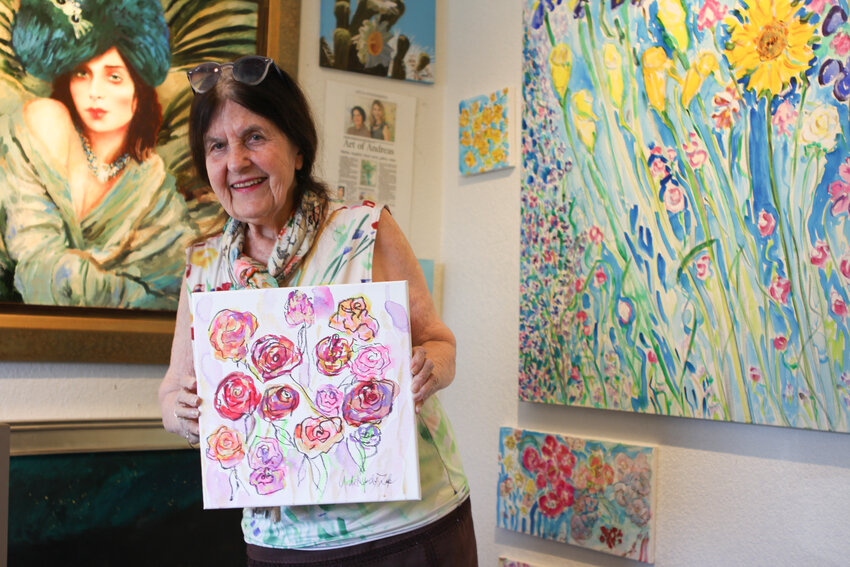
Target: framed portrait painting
98,198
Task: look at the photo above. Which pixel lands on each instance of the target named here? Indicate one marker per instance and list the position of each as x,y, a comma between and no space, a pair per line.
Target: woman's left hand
425,382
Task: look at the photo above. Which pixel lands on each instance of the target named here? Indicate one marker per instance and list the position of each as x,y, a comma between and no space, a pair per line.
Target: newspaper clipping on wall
368,145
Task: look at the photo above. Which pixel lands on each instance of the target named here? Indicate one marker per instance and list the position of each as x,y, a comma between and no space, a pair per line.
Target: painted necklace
103,172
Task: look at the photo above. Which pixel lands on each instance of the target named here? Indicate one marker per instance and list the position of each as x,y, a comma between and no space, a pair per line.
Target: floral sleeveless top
342,253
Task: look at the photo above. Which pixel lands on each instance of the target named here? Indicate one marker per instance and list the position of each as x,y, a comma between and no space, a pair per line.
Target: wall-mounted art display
594,494
485,127
386,38
306,394
97,194
505,562
685,190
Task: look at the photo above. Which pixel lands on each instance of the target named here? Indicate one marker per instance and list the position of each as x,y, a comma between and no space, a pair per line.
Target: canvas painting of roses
594,494
307,395
685,245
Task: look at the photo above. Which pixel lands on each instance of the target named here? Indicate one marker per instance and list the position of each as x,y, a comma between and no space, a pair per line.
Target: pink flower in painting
595,234
225,446
780,342
726,108
784,116
695,151
371,362
267,481
844,266
581,316
236,396
674,198
703,265
369,402
779,289
587,330
265,454
651,356
841,44
299,309
658,168
817,6
820,254
229,333
352,317
755,375
279,402
275,356
332,355
328,399
574,373
531,460
599,278
766,223
625,311
836,302
316,435
579,283
839,194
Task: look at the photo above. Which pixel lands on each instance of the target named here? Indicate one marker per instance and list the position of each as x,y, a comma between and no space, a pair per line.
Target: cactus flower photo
386,38
685,203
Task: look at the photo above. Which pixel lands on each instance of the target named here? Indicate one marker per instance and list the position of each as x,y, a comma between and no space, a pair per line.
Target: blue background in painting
418,22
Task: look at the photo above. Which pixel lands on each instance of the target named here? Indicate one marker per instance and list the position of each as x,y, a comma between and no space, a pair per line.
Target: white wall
728,494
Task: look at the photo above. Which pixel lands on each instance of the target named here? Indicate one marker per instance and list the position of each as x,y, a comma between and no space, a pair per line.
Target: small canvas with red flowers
594,494
306,395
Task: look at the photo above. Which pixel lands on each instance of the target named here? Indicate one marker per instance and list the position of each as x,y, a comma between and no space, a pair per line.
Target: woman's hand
178,393
186,412
425,383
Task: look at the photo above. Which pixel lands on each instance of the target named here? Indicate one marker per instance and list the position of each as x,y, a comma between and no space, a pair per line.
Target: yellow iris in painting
469,159
768,44
560,65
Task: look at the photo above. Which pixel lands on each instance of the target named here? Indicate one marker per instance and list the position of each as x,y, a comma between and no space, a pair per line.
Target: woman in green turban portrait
92,217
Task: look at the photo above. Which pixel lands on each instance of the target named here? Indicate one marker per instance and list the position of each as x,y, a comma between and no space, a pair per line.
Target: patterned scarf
294,242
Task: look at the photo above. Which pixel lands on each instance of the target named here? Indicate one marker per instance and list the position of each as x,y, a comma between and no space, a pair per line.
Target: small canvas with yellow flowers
484,135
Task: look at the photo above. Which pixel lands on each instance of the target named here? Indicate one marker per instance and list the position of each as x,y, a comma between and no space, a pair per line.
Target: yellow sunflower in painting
769,44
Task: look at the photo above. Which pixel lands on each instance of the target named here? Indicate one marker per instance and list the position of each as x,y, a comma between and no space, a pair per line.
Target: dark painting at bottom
122,508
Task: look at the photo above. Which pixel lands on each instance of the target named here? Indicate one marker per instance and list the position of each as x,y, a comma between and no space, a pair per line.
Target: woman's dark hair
141,134
361,111
278,99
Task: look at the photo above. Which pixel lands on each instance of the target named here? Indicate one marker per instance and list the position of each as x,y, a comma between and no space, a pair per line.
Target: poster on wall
389,38
368,147
307,395
594,494
486,127
86,220
686,176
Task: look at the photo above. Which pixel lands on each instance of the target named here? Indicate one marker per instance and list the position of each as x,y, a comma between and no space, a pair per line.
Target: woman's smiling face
103,93
251,166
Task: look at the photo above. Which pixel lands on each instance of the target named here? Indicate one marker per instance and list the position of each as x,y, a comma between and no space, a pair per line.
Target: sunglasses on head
249,70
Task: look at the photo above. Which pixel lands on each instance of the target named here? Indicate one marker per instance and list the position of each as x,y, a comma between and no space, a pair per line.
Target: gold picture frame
84,334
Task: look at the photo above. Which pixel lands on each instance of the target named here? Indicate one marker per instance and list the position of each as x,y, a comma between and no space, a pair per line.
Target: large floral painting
594,494
685,191
306,394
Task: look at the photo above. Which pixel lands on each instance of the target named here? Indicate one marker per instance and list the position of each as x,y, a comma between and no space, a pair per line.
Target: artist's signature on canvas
376,480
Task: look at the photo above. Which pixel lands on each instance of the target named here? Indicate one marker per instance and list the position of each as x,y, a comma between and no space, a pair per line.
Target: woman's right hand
186,410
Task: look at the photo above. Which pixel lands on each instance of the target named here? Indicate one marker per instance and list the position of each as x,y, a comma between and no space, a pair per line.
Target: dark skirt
447,542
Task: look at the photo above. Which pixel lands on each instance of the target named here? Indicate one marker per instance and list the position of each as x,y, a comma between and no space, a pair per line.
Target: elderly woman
253,139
